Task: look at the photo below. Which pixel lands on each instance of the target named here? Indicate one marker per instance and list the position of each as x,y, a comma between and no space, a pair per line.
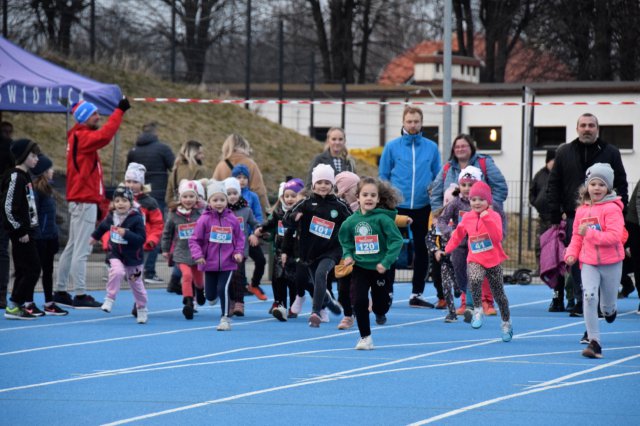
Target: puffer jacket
603,244
552,265
127,249
177,231
218,256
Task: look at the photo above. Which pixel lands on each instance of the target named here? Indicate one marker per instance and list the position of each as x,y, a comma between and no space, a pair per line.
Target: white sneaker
280,313
365,344
296,306
324,315
213,302
225,324
143,315
507,331
107,305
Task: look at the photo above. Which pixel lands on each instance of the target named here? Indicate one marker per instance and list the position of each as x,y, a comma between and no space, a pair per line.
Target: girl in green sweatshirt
371,242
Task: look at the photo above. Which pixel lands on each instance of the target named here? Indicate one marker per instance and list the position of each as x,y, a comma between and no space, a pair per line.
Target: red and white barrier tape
419,103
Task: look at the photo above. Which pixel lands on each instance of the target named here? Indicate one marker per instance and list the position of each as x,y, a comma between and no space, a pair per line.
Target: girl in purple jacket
217,246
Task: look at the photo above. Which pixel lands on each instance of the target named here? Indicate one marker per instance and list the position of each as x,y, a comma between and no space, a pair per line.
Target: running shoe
365,344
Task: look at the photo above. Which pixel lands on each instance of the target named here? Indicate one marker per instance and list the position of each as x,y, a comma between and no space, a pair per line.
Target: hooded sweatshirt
371,238
603,244
217,237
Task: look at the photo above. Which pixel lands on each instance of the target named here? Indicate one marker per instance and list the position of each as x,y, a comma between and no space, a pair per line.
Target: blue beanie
240,169
82,110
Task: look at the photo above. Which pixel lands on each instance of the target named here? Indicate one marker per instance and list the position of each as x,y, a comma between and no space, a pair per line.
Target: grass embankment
277,150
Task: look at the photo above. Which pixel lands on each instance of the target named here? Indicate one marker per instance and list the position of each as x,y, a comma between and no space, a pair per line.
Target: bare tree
55,18
465,32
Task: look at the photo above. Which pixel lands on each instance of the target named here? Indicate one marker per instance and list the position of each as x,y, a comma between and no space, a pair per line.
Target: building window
487,138
320,133
549,137
620,136
437,67
431,133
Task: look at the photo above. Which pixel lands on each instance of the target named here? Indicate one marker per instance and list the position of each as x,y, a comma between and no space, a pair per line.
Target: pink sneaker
314,320
296,307
346,323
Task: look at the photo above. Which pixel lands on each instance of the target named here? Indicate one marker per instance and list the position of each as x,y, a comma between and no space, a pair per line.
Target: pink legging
133,274
190,274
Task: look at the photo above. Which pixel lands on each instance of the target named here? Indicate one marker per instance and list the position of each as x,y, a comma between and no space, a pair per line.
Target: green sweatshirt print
371,238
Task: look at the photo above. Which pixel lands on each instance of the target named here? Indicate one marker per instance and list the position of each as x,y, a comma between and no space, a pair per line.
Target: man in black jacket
538,197
568,174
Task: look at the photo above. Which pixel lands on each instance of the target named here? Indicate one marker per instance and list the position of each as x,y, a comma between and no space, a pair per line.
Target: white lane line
580,373
324,379
517,395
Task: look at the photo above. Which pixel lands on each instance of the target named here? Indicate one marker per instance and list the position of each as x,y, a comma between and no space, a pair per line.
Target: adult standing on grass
158,159
188,166
237,150
335,154
85,191
410,163
567,175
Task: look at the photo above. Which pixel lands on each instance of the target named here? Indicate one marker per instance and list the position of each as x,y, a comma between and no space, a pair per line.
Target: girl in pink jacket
598,244
484,228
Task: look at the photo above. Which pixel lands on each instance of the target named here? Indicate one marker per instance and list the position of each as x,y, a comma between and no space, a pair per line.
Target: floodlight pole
446,81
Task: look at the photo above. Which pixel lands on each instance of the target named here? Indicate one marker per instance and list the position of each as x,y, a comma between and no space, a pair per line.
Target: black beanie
551,154
44,164
21,148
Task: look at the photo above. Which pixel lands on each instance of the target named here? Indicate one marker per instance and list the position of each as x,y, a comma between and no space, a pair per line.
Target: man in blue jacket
410,163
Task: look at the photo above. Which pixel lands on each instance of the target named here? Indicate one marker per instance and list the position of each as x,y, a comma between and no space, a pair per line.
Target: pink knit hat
482,190
345,181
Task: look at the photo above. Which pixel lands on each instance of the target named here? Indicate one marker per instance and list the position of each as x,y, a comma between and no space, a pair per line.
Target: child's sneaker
381,319
451,317
442,304
507,331
593,350
18,313
225,324
257,291
107,305
333,304
291,314
213,302
463,304
365,344
489,309
187,310
238,309
55,310
585,339
296,306
468,315
476,321
33,310
314,320
346,323
200,296
324,315
280,313
63,298
143,315
610,318
417,301
273,306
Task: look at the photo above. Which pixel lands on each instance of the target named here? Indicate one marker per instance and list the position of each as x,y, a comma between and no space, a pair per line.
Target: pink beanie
323,172
448,194
346,181
186,186
482,190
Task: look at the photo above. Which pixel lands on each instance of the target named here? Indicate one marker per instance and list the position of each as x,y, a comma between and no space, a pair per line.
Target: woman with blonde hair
237,150
335,154
188,165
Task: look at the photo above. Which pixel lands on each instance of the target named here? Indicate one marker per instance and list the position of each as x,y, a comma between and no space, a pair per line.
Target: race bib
591,222
115,237
322,228
480,243
185,230
367,244
280,228
220,235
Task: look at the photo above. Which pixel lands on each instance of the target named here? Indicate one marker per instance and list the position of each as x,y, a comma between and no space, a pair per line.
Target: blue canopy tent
29,83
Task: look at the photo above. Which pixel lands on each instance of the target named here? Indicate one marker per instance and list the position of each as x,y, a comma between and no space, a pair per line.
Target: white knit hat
135,172
470,174
232,183
199,189
323,172
186,186
215,187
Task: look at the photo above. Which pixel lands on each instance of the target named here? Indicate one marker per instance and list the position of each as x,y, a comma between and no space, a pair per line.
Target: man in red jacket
85,191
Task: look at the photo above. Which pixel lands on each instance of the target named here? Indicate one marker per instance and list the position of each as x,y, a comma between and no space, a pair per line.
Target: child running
371,242
283,273
598,244
238,205
20,219
126,238
47,231
181,222
217,245
320,216
483,226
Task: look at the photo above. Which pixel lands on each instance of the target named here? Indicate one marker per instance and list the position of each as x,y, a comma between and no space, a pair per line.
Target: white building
368,123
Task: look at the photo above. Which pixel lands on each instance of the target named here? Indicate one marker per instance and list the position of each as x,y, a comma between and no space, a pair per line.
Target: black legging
421,255
47,250
27,269
363,280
